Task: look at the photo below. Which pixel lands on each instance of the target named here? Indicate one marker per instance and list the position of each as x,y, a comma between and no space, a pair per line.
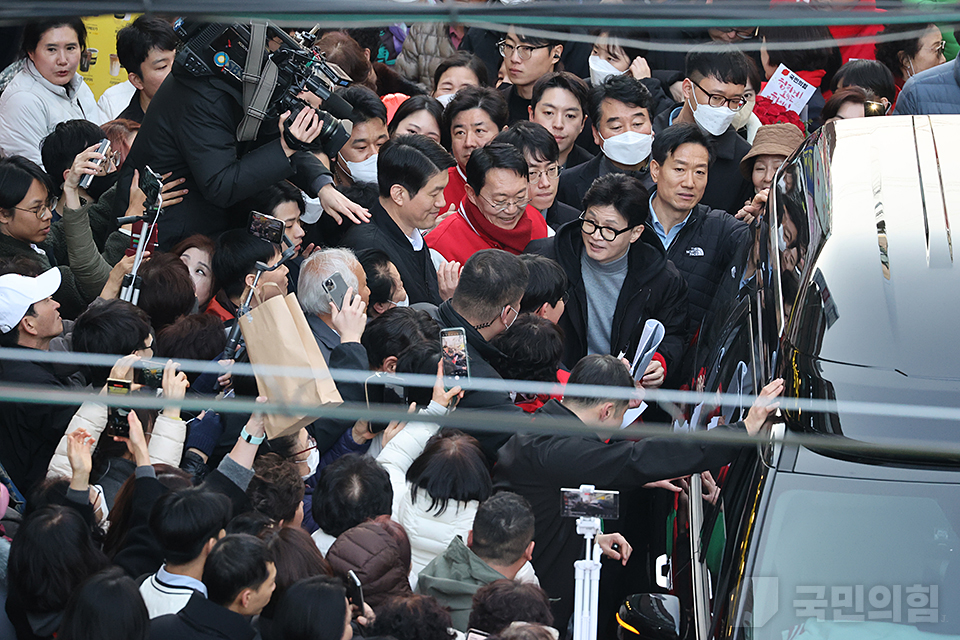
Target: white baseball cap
18,292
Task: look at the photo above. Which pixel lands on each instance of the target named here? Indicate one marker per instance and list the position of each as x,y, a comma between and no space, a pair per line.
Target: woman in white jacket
47,90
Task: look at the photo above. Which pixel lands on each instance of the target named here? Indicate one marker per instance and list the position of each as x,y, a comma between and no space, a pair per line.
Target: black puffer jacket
703,252
653,288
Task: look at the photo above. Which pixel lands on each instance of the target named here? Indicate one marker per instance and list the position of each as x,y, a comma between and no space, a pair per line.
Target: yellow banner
99,64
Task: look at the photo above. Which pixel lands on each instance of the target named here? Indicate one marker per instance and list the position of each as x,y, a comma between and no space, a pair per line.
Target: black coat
653,288
703,252
202,620
560,214
727,189
30,432
190,130
575,182
538,466
578,155
480,353
416,267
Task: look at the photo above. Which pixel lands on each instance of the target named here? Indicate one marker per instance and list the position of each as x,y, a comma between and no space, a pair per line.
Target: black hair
237,562
268,199
366,104
755,77
16,177
726,63
602,370
489,100
490,280
51,554
496,155
113,327
622,88
616,35
276,487
871,76
167,292
419,358
502,602
502,528
532,139
451,467
376,265
395,331
854,95
312,609
413,617
135,41
184,521
888,51
532,350
198,336
410,161
351,490
236,256
546,283
529,38
255,523
412,105
62,145
562,80
799,57
462,59
107,605
33,33
670,139
624,193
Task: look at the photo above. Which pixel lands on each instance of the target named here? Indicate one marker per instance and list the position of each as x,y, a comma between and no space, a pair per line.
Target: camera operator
190,130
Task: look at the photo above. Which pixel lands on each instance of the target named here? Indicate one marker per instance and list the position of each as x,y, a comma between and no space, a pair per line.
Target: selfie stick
587,596
233,340
130,287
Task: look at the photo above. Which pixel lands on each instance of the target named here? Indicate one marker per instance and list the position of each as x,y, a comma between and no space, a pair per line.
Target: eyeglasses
114,158
311,445
607,233
46,207
939,48
503,205
720,100
524,51
552,172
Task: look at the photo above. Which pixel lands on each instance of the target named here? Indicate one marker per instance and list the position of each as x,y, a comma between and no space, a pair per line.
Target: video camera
220,50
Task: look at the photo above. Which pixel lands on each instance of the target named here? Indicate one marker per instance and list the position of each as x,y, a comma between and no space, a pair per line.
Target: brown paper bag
276,333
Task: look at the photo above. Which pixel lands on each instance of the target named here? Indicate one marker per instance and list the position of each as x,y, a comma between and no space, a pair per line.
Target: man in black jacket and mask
190,130
538,466
617,280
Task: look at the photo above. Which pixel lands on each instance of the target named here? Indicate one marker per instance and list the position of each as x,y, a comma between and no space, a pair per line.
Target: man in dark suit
620,109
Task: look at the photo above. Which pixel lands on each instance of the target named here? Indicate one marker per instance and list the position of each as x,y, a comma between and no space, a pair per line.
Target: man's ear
530,112
635,233
470,538
542,310
398,194
687,88
27,325
597,140
654,170
471,195
244,598
249,279
557,52
135,80
606,411
390,364
381,307
528,552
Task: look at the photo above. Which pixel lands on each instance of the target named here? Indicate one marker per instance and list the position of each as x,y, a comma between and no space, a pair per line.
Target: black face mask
101,184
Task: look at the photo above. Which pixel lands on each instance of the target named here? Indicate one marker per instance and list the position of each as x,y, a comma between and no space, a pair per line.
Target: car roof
888,277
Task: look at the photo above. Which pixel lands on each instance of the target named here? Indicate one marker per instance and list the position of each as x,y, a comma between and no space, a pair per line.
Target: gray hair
317,268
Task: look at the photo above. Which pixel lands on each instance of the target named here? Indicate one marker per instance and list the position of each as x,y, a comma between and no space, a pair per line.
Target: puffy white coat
31,107
165,443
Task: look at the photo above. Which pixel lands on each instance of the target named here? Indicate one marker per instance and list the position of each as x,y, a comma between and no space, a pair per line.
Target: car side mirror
653,616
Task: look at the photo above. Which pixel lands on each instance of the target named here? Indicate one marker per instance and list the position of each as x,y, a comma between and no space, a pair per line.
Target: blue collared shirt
666,238
177,580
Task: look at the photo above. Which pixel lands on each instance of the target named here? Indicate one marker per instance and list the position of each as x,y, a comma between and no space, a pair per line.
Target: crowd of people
541,197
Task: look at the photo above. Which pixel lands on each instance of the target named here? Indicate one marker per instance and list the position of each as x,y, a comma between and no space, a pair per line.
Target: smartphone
476,634
453,347
135,230
591,504
117,424
336,289
266,227
355,591
104,148
149,373
151,184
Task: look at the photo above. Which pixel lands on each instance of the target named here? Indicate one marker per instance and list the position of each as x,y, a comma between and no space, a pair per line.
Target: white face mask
313,461
629,148
740,120
365,171
446,98
713,120
780,241
403,303
601,69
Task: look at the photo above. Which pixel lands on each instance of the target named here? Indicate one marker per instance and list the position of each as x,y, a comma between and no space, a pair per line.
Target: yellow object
99,64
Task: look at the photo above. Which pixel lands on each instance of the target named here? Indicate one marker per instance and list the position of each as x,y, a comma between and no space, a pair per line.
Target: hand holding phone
456,362
355,591
336,289
117,424
104,148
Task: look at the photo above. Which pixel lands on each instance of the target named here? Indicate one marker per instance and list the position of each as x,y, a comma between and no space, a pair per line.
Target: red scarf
531,226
